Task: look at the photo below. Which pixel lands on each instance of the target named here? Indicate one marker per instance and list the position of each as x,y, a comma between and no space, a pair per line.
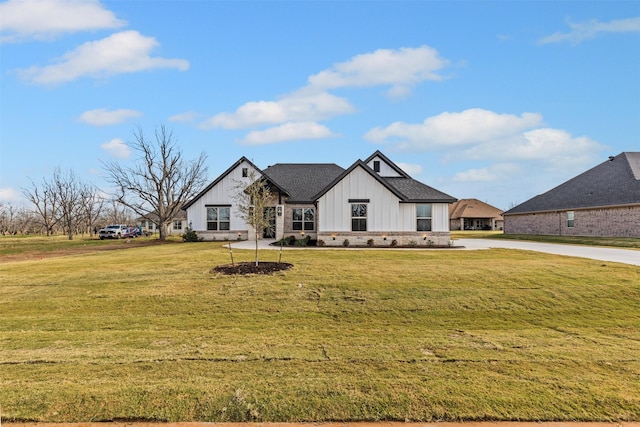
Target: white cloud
288,132
123,52
103,117
186,117
411,168
401,68
46,19
299,106
9,195
588,30
490,173
454,129
117,148
494,151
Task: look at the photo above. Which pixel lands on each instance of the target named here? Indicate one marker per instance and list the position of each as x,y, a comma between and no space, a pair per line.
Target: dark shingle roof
612,183
415,191
406,189
302,181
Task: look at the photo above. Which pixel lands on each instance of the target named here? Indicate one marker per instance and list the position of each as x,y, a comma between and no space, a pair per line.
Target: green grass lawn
149,333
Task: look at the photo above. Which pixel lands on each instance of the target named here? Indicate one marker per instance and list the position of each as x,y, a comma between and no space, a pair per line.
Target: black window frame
303,222
358,220
218,223
424,223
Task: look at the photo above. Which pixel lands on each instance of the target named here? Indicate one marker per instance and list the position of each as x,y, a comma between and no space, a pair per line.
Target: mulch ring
252,268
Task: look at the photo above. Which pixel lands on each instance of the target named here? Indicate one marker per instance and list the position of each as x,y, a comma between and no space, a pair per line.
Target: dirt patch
252,268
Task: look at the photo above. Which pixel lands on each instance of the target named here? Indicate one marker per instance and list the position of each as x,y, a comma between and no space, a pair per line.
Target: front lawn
150,333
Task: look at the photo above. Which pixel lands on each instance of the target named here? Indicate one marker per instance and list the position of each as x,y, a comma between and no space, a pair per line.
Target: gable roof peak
389,163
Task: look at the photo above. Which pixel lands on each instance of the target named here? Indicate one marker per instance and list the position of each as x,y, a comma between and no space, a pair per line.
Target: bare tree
161,181
68,190
11,219
115,213
92,204
255,203
45,203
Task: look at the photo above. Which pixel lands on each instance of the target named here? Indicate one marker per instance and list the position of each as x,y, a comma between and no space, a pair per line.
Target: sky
493,100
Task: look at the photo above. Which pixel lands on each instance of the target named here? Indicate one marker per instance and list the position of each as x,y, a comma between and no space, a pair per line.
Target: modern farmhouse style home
371,202
603,201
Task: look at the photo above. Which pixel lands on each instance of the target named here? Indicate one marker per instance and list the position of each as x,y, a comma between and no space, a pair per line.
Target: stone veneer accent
230,235
621,221
420,239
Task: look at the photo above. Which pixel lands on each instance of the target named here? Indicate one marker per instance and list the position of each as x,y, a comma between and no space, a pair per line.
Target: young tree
254,203
161,181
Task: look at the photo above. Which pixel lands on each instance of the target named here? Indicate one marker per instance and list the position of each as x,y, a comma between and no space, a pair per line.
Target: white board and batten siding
384,211
224,193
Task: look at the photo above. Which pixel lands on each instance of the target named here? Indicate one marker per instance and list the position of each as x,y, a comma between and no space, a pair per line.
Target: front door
269,231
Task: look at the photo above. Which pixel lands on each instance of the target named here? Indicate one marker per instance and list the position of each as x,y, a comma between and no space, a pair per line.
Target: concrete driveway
625,256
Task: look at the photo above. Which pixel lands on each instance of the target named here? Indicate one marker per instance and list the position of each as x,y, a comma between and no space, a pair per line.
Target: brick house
603,201
472,214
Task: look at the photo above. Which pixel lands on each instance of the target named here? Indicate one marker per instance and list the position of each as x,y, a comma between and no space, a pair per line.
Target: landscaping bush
191,236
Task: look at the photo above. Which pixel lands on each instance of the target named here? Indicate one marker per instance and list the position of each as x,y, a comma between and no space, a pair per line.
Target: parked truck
114,231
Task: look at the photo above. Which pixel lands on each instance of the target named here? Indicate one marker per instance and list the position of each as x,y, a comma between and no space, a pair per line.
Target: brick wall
602,222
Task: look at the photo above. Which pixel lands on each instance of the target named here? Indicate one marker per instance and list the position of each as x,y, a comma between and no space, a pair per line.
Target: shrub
283,242
370,243
320,242
292,240
412,243
345,243
191,236
303,242
394,243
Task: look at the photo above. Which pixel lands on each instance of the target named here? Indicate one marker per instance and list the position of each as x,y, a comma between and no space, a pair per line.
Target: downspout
559,223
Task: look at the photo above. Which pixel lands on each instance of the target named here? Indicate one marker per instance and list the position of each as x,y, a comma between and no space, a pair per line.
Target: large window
358,217
423,217
218,218
570,219
303,219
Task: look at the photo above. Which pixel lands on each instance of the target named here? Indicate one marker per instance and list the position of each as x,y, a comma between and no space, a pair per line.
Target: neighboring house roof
153,216
473,208
615,182
302,181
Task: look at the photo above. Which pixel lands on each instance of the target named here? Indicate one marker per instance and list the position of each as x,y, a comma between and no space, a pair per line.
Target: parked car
132,232
113,231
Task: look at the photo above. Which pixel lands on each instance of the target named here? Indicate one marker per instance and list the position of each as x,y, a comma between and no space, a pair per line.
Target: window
376,165
423,217
177,225
570,219
245,172
358,217
218,218
303,219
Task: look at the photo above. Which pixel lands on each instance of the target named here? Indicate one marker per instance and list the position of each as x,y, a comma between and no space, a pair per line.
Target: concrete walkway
625,256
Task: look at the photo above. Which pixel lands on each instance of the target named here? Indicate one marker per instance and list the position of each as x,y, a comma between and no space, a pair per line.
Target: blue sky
495,100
